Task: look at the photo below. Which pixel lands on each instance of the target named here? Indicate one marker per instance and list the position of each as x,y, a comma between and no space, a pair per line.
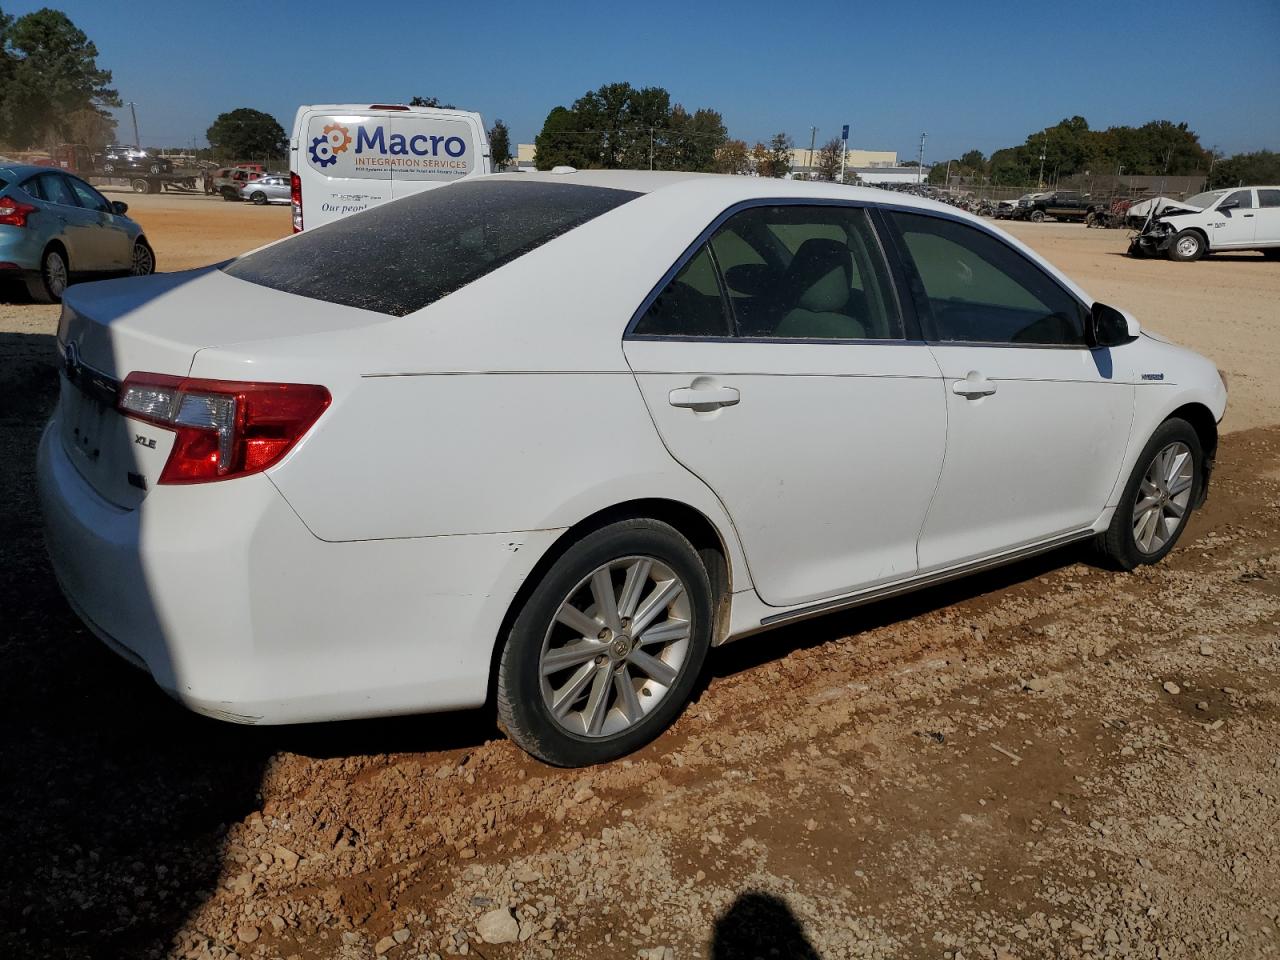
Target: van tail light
15,212
223,428
295,200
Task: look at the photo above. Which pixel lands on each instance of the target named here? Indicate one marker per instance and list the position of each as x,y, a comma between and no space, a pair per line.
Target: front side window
399,257
89,198
1243,199
978,289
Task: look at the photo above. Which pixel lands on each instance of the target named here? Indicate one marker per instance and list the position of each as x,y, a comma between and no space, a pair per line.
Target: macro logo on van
414,148
326,147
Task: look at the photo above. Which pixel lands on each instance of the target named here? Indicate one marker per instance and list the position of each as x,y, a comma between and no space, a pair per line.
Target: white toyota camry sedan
543,440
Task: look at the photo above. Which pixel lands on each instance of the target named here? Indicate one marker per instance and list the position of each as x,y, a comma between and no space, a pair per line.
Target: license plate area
119,457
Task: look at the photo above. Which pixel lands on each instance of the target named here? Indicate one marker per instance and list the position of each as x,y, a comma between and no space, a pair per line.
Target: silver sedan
269,189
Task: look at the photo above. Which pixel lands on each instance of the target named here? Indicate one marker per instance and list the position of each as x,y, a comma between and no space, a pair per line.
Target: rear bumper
22,247
240,613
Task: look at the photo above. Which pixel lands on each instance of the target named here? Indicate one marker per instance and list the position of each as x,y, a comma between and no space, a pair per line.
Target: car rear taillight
15,212
295,200
223,428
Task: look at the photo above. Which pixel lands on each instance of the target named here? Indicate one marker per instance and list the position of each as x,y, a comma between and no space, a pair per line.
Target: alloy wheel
55,273
1164,496
616,647
143,261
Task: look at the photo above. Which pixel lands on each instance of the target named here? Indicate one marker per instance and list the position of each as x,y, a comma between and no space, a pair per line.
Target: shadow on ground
760,925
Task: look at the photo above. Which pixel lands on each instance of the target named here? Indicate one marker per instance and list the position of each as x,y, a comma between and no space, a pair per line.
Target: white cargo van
347,157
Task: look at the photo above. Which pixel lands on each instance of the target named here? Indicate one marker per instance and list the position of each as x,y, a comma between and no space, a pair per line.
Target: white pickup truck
1244,218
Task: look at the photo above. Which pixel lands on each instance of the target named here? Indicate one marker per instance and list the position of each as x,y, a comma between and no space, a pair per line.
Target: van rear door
342,171
427,151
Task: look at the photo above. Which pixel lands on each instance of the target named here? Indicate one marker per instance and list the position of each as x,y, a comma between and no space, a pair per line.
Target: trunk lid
157,324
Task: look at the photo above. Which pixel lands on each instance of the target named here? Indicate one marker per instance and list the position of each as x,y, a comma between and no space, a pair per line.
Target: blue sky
970,75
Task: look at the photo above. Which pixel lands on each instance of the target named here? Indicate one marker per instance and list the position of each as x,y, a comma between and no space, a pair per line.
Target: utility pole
134,113
1044,140
813,139
844,153
651,148
920,161
946,181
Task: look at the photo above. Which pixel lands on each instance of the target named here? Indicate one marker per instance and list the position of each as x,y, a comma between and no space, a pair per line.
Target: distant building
802,163
890,174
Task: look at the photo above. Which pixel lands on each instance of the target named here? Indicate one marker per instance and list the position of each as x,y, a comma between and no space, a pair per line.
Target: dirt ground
1051,760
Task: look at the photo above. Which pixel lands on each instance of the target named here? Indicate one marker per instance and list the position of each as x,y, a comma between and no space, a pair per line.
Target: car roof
733,188
17,170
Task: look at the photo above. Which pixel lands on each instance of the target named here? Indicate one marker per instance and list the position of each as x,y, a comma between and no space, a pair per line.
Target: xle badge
147,442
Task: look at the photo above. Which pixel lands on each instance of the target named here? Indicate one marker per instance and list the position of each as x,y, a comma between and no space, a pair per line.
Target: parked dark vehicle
119,159
1061,205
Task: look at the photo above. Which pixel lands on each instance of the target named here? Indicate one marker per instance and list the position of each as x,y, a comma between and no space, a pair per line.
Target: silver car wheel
616,647
1164,496
1188,247
143,260
55,273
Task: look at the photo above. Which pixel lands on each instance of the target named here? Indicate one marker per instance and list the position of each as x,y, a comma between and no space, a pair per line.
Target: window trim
910,328
901,260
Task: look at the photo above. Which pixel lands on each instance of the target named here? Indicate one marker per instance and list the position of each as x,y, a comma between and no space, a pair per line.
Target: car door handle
708,397
973,386
1248,215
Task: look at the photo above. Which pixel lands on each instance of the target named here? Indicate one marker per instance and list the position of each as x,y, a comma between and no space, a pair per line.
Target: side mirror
1228,204
119,207
1108,327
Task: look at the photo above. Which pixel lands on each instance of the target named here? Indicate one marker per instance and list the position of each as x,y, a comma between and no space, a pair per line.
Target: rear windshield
405,255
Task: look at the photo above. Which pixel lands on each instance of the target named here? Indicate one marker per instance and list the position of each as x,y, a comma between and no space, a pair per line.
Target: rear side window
788,272
52,188
402,256
1269,198
978,289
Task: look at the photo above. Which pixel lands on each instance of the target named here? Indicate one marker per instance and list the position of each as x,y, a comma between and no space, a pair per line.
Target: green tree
779,164
1247,168
973,160
690,141
828,162
433,102
500,145
618,126
50,72
245,133
733,157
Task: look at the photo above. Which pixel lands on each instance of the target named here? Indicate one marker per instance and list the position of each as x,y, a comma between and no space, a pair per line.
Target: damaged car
1244,218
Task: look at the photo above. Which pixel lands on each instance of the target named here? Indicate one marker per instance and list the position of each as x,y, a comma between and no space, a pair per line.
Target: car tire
573,686
53,277
229,194
1037,216
1136,251
1272,253
141,186
1163,487
259,198
108,168
1188,246
143,261
155,168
